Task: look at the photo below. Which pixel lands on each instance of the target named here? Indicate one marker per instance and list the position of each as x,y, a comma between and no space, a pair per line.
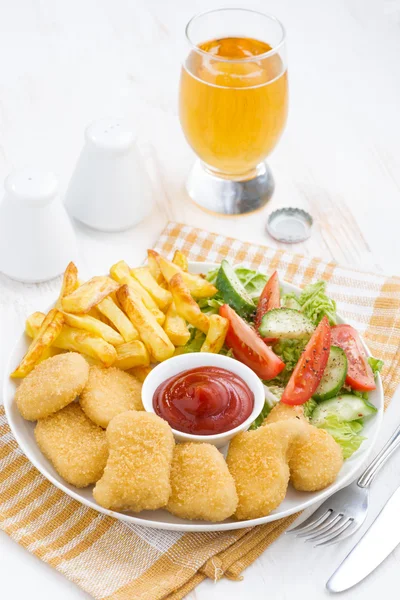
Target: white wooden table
63,64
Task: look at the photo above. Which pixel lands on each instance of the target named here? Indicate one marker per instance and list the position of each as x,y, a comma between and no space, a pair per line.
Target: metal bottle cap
290,225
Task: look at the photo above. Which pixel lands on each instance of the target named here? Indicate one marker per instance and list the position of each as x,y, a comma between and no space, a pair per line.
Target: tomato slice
248,347
269,299
359,373
311,366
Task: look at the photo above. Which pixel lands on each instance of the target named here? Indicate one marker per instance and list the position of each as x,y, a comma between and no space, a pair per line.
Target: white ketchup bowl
185,362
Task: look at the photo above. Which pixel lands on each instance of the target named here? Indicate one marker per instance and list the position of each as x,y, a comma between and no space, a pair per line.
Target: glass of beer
233,105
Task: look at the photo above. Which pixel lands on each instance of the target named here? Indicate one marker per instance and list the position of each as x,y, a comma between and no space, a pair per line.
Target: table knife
380,539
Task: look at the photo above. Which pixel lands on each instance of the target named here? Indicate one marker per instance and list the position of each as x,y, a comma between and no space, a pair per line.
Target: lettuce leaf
272,396
194,344
263,415
290,301
212,275
276,390
253,282
227,351
346,433
376,365
314,302
309,407
210,306
289,351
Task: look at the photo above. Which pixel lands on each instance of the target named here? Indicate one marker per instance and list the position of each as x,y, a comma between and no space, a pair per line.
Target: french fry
185,306
132,354
88,294
81,341
49,330
69,283
49,352
198,287
140,372
180,260
118,318
160,296
216,334
32,327
75,340
152,334
175,327
95,327
153,266
121,273
34,323
96,314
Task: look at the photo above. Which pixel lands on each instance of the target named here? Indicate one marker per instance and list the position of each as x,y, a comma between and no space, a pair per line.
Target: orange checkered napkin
111,560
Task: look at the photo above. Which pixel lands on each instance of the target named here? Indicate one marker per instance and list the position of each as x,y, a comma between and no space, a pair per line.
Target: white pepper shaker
109,189
37,239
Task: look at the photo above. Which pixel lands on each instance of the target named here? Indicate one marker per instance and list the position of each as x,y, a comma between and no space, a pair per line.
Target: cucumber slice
285,323
334,375
232,290
346,407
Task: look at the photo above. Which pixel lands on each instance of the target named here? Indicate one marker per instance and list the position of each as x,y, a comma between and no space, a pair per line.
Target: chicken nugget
316,461
281,412
137,473
109,392
202,487
75,446
258,461
53,384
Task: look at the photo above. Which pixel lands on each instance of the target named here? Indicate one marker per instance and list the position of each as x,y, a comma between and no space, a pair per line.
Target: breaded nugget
109,392
258,462
76,446
137,473
316,461
53,384
202,487
281,412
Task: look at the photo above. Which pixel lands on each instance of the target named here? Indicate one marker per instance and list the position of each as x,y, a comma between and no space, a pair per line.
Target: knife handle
380,459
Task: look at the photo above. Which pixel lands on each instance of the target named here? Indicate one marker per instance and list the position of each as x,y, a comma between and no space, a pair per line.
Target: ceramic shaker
37,239
109,189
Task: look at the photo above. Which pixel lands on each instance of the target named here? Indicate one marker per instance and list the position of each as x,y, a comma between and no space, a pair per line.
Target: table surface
68,63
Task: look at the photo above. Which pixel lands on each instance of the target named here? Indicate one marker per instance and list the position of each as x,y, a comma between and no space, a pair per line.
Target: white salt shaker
109,189
37,239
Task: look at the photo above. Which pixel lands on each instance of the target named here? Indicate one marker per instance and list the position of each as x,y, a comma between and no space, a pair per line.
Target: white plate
160,519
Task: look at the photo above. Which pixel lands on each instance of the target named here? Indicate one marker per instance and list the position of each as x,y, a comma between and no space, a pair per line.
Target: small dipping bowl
185,362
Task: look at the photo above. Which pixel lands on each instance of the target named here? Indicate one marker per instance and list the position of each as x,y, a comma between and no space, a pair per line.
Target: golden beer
233,103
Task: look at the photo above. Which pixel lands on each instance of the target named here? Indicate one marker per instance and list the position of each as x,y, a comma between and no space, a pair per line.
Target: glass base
227,196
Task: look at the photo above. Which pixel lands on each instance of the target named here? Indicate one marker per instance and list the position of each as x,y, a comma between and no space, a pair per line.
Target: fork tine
335,536
325,528
313,520
317,529
344,535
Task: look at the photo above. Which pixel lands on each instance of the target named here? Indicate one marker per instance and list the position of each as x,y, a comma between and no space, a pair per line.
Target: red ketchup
204,401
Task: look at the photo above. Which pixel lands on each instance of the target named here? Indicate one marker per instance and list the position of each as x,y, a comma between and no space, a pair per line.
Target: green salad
295,345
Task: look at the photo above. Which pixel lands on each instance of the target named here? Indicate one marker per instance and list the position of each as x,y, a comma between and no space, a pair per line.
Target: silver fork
342,514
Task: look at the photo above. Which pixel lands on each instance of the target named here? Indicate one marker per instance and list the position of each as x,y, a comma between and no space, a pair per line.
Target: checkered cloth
110,560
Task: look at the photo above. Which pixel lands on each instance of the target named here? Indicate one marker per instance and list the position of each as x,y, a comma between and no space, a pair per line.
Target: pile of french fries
130,319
